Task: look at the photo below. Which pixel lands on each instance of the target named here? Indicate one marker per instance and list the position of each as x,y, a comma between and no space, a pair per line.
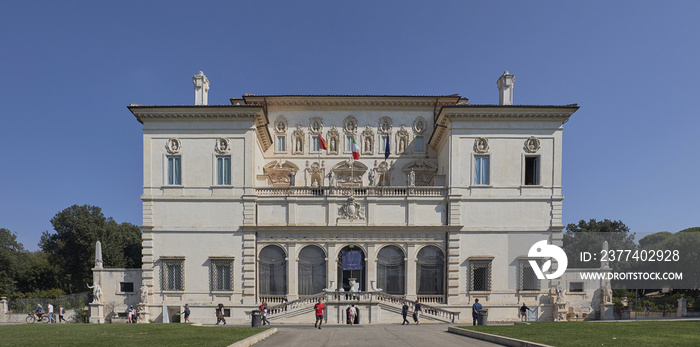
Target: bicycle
33,317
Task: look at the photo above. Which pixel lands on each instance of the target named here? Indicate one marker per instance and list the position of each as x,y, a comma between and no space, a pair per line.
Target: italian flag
355,149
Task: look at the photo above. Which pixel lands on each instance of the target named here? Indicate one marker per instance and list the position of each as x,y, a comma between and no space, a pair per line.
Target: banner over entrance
352,260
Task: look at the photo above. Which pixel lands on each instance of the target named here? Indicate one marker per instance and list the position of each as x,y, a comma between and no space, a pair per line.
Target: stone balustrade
357,191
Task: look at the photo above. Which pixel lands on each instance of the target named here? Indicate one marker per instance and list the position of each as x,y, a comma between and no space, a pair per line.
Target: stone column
332,266
411,272
292,272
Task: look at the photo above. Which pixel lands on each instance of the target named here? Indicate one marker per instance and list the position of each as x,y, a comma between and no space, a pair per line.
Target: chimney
505,89
201,89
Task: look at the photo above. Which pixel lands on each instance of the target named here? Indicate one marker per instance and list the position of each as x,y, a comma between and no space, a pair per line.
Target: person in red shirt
319,313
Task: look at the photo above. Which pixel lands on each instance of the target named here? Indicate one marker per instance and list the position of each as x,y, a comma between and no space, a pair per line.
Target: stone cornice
352,100
254,112
493,112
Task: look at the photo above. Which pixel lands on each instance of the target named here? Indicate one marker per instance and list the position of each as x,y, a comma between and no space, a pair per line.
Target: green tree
589,237
11,263
653,239
72,246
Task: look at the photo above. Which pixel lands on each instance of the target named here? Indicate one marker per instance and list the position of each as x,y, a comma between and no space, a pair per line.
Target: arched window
272,271
391,270
312,270
430,270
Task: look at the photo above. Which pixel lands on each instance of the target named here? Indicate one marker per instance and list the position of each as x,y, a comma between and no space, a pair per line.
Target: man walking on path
404,313
523,312
318,308
51,318
475,310
61,313
417,309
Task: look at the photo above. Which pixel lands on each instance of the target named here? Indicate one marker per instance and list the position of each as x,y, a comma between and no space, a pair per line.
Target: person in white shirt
51,318
352,313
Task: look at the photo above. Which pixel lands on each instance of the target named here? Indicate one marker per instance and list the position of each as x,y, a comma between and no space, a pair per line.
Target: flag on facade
387,150
355,149
321,142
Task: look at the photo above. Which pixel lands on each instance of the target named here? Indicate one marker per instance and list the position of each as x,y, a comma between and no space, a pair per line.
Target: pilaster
410,262
292,272
371,263
332,270
249,278
453,269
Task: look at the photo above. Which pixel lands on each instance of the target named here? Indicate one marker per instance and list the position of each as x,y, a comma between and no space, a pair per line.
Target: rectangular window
528,279
480,275
314,143
576,287
419,143
348,143
281,144
173,274
221,278
126,287
174,171
532,171
481,170
223,171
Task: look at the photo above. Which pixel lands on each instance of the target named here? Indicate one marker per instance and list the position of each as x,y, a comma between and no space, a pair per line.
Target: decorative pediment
316,125
173,146
423,170
481,145
280,125
278,172
419,125
223,145
350,125
349,173
384,126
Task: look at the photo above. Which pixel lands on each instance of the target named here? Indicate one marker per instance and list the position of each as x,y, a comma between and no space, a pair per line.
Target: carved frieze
349,173
278,172
423,170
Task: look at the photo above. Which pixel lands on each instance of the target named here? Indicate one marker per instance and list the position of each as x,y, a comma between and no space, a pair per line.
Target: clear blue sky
69,70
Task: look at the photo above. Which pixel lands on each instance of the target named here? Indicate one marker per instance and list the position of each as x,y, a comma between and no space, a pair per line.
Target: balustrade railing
365,297
357,191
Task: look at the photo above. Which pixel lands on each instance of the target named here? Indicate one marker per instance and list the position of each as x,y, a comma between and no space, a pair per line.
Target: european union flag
387,150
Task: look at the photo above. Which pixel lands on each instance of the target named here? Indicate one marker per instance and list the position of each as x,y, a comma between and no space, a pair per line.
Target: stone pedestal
607,311
145,313
97,313
3,309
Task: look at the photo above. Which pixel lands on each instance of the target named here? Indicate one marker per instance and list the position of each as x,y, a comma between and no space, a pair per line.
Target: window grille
480,275
221,277
173,274
527,278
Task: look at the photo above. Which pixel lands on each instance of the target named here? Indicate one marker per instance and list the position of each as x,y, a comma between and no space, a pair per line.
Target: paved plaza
378,335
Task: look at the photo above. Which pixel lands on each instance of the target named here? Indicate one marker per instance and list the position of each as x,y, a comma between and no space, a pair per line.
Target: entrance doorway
359,275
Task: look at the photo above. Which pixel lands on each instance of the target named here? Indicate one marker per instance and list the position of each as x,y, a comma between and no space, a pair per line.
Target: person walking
61,313
647,309
475,310
417,309
187,313
523,312
318,309
352,313
263,313
404,313
50,308
220,314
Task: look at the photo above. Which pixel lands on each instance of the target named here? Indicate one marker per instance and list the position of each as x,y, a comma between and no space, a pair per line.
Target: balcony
393,191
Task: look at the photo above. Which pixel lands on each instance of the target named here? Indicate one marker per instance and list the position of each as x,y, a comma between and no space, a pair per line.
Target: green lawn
121,335
635,334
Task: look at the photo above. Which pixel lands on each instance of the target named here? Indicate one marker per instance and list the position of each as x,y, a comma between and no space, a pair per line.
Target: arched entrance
272,271
391,270
354,267
430,270
312,270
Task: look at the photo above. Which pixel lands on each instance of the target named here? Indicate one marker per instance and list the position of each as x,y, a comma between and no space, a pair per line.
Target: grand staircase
374,307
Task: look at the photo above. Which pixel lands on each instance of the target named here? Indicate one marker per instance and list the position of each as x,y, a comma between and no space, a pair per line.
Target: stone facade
447,218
